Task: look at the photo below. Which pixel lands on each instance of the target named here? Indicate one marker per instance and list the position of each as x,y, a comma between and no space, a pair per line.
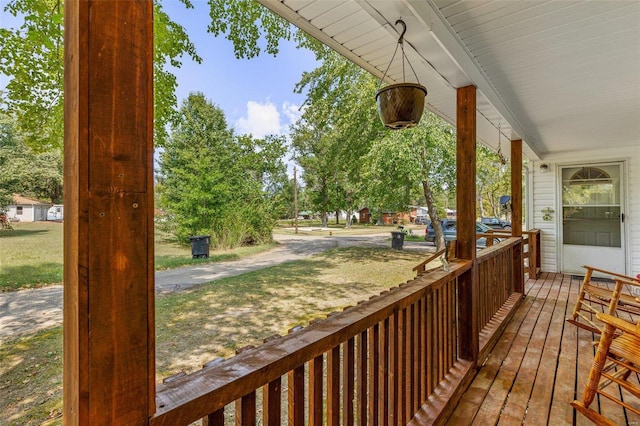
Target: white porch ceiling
563,75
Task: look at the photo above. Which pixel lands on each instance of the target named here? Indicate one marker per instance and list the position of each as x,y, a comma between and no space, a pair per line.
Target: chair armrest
620,324
627,282
615,274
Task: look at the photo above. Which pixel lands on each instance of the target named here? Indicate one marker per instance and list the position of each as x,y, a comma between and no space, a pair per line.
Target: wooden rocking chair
600,296
614,371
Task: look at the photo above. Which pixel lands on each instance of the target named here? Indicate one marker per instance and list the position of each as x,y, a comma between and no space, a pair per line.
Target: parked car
495,223
449,232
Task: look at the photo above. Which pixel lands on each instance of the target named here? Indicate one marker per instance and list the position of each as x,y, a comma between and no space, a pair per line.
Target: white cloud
264,119
291,111
261,120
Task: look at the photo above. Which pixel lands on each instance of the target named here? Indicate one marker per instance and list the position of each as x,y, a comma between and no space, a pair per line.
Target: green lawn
31,255
210,321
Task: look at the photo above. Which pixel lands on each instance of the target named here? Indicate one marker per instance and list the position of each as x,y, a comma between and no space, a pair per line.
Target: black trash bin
199,246
397,240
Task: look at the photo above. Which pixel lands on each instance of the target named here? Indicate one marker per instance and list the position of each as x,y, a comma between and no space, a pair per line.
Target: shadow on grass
31,379
22,232
365,255
30,276
219,318
174,261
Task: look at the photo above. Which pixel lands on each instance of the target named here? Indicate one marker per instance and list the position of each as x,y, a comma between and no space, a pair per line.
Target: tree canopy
24,171
212,182
32,55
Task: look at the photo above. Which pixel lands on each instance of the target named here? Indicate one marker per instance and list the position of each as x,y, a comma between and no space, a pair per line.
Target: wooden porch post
109,356
516,212
466,222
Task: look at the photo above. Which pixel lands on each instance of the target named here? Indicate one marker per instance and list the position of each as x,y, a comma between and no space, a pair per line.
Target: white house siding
30,212
633,213
545,194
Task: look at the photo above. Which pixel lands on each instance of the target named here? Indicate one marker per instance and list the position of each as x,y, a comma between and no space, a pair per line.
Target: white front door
592,228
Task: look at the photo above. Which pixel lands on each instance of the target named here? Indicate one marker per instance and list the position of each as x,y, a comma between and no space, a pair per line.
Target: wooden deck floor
538,366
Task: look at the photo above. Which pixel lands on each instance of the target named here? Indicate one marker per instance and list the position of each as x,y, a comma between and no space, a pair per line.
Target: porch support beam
516,212
109,356
466,220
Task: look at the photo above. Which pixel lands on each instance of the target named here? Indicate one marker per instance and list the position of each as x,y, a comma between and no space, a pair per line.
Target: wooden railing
500,288
530,248
376,363
385,361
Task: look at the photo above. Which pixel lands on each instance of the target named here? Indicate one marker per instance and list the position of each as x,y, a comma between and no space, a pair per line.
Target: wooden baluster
362,378
246,410
315,391
451,285
422,350
394,369
385,366
405,360
271,403
534,245
417,314
410,367
430,342
373,371
333,387
348,386
296,396
214,419
440,335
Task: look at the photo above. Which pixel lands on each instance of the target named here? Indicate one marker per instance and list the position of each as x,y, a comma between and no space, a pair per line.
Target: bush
246,225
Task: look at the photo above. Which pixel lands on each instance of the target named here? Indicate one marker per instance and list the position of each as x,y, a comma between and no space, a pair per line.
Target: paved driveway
31,310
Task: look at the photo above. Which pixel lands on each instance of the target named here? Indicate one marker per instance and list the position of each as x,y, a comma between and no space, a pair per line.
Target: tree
337,127
493,180
413,164
214,183
32,55
23,171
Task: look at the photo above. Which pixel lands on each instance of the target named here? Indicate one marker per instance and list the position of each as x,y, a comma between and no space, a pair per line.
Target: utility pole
295,197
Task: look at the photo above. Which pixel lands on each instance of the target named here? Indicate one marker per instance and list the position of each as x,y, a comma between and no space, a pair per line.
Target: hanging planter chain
404,56
503,159
400,105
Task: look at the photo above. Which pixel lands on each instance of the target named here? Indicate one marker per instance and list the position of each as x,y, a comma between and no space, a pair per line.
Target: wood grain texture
333,387
271,403
348,382
316,389
246,410
466,172
296,396
466,222
516,187
109,370
362,378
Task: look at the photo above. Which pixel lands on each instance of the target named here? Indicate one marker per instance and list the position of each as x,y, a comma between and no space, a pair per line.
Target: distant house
386,217
364,215
26,209
417,214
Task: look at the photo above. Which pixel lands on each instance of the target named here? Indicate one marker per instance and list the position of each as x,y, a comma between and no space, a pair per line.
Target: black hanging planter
400,106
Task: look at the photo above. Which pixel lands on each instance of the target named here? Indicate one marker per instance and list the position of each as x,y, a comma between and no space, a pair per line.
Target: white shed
26,209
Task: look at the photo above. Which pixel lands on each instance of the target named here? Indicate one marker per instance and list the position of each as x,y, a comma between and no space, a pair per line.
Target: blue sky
256,95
